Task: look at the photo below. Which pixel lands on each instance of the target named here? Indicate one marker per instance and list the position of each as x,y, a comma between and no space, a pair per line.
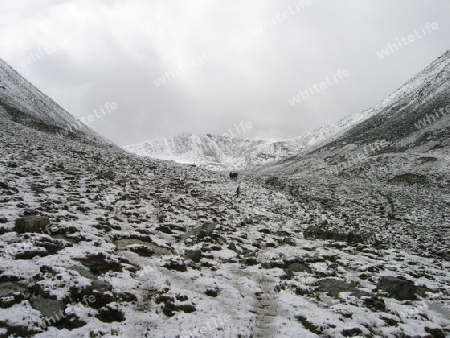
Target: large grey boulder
398,288
31,224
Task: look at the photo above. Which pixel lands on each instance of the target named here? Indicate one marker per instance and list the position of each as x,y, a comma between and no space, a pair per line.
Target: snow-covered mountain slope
209,151
415,118
24,103
421,104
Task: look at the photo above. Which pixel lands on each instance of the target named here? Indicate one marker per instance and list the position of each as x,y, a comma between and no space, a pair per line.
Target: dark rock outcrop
397,288
31,224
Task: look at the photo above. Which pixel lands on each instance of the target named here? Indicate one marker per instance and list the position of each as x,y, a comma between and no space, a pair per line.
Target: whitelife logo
279,17
177,71
358,158
244,126
431,118
60,44
212,324
405,41
108,108
317,88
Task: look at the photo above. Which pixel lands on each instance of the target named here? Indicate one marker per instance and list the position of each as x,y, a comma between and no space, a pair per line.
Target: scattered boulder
299,267
435,332
169,307
9,278
200,232
99,264
272,181
30,212
100,299
168,228
427,159
176,264
351,237
99,285
47,306
51,245
31,224
17,330
354,237
187,308
249,261
321,233
232,246
375,303
398,288
291,265
142,250
43,246
309,325
31,253
165,199
126,297
110,313
10,294
408,179
208,228
195,193
194,255
52,310
352,332
335,286
110,175
71,322
212,292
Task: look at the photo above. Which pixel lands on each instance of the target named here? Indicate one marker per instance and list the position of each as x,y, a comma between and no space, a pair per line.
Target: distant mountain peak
418,96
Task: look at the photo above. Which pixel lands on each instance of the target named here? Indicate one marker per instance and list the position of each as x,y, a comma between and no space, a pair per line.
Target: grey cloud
124,46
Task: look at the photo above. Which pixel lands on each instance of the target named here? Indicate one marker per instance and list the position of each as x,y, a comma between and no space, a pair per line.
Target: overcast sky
222,62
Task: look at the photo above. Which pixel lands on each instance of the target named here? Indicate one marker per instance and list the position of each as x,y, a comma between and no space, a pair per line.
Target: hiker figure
237,191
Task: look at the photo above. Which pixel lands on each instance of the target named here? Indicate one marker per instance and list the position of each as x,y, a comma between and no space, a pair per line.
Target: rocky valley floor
96,242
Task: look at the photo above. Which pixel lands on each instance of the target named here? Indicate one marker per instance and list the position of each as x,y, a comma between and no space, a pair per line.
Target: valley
96,241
